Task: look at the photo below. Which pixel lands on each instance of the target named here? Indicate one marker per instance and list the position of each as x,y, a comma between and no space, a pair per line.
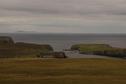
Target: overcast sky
63,16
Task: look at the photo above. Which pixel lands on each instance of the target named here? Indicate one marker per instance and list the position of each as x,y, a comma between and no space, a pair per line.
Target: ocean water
64,41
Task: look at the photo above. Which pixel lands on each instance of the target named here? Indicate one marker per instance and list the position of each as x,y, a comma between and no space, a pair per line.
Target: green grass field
92,47
62,71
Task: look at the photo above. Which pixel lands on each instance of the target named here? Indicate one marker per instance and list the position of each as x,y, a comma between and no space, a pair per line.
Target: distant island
21,31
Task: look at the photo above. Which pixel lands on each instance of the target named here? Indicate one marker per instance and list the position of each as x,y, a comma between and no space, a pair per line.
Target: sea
64,41
61,42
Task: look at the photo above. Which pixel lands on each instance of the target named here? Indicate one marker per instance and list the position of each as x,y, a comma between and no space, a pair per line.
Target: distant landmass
21,31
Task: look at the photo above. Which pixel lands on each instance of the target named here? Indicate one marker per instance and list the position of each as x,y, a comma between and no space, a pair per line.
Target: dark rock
52,55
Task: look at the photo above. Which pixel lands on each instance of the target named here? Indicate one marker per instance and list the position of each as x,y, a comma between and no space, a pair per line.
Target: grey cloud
91,16
77,7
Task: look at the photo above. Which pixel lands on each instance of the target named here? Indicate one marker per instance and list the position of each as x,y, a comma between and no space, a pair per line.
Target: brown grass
62,71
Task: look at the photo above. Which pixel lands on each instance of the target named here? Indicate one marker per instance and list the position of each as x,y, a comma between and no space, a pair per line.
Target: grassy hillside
23,50
91,47
100,49
62,71
33,47
9,49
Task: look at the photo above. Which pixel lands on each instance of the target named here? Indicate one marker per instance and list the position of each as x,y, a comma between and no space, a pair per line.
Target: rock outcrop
52,55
